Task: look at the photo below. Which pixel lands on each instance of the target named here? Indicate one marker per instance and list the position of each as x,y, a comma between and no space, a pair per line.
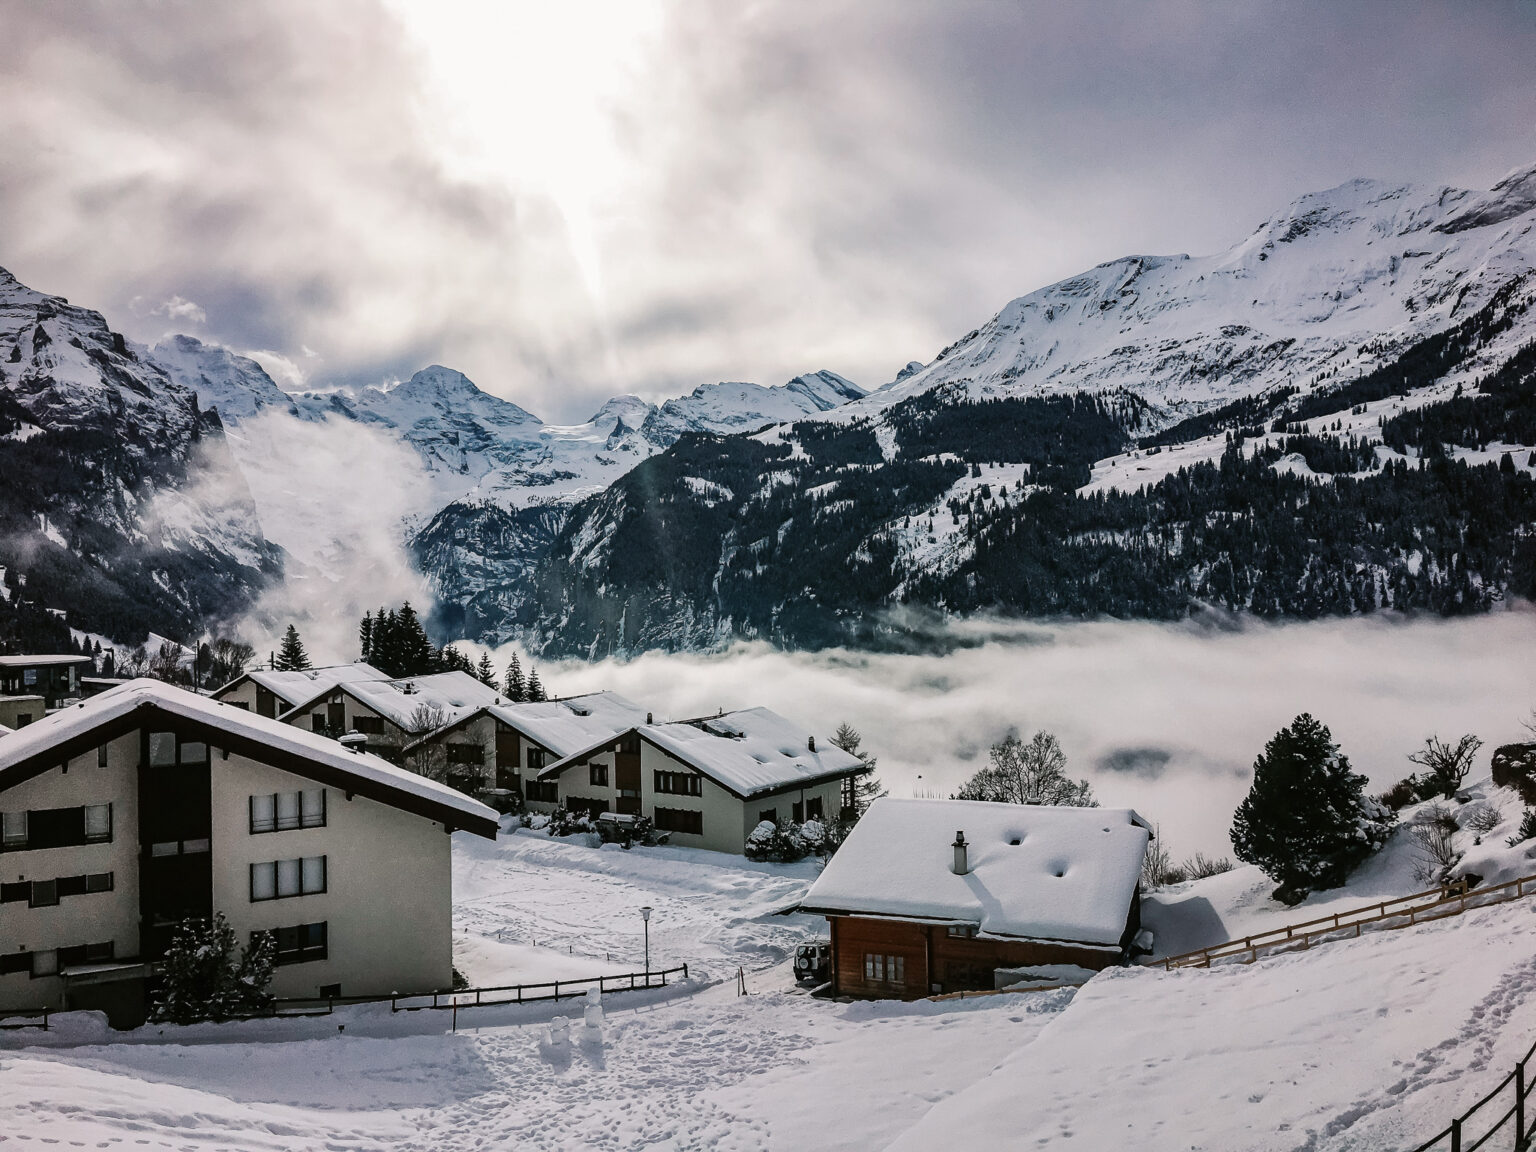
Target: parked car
813,963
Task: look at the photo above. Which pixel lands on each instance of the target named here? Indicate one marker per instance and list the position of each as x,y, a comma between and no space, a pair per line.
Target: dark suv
813,963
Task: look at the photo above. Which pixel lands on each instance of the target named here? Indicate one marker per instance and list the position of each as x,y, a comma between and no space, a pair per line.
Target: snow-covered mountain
1334,344
1336,281
120,503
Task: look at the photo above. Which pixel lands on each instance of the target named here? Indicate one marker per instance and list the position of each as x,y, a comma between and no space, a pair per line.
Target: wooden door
626,779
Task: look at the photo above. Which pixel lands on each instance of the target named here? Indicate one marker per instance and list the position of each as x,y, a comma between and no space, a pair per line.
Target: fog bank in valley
1166,718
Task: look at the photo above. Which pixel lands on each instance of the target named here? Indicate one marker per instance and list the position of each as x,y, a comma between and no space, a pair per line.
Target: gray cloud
841,185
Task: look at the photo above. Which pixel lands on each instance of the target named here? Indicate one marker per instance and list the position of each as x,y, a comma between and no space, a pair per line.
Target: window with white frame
883,969
280,879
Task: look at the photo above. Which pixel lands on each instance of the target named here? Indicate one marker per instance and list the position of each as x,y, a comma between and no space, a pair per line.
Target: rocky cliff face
119,500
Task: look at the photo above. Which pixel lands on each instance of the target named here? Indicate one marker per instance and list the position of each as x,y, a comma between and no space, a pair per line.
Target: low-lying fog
1164,718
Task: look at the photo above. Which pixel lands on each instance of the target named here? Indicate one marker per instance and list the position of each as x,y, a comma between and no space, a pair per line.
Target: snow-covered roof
1037,872
44,742
454,694
569,726
751,751
40,661
298,686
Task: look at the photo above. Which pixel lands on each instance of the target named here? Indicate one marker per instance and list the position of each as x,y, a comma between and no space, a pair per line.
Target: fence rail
1433,904
1454,1136
29,1018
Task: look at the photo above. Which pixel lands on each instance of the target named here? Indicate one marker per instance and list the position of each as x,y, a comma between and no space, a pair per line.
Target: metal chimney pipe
962,863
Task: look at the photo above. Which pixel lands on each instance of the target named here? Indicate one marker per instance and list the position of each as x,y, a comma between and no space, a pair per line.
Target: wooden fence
1433,904
1455,1137
28,1017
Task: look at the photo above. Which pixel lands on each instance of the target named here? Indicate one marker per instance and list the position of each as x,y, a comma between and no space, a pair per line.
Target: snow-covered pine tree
515,686
291,657
484,672
1307,821
535,687
365,637
200,979
866,787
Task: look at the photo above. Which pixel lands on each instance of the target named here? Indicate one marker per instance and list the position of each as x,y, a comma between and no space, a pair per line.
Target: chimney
648,718
354,742
811,743
962,863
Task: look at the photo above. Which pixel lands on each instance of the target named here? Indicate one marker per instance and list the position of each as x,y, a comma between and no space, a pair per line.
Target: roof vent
409,688
962,863
354,742
810,743
649,719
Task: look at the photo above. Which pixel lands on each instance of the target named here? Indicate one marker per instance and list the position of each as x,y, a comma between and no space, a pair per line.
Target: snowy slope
1364,263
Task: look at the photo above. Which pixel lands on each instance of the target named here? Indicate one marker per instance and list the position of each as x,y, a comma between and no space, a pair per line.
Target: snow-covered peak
235,385
628,408
437,393
739,406
1365,265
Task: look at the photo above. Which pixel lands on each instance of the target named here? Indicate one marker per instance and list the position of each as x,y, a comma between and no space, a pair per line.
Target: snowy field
1364,1044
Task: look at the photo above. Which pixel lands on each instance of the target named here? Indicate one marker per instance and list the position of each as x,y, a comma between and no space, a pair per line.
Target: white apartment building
133,810
707,782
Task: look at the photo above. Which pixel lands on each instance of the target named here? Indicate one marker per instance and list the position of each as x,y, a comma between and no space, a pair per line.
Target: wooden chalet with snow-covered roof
708,782
929,896
128,813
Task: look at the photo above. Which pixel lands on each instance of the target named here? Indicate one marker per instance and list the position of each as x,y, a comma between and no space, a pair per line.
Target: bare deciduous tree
1027,773
1447,764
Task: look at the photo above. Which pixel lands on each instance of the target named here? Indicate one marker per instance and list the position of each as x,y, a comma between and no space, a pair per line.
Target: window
281,879
470,754
813,808
85,954
56,827
240,704
162,749
542,791
317,722
368,725
879,969
769,816
10,893
23,719
45,893
678,783
797,812
300,943
15,962
330,991
536,759
598,774
630,745
101,756
45,963
963,931
98,823
680,820
282,811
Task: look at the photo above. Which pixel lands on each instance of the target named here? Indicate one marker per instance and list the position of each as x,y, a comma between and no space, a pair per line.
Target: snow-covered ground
1361,1044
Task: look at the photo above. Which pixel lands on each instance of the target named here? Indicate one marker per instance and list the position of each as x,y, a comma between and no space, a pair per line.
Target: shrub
1446,765
1514,766
1401,794
1433,832
200,979
1307,821
1480,818
1157,867
1027,773
567,822
780,845
1199,866
641,830
1527,828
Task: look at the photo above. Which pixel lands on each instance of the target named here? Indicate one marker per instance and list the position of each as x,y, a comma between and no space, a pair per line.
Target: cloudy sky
571,200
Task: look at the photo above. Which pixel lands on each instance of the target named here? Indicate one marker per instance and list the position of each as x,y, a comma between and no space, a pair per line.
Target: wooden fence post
1456,1135
1519,1106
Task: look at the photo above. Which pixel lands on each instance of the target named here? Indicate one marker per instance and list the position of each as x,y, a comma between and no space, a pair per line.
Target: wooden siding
935,961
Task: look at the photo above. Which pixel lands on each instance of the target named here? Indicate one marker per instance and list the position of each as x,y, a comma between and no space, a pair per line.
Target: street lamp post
645,915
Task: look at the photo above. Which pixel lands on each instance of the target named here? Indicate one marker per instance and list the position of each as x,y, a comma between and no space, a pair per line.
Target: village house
495,749
930,896
128,813
54,678
391,714
270,692
708,782
19,711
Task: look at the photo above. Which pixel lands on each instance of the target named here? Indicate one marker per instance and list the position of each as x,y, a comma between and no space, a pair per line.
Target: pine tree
485,672
866,787
417,656
200,979
1307,821
535,689
291,657
365,637
514,686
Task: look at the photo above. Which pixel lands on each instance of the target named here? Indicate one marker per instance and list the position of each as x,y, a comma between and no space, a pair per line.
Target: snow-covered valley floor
1369,1043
